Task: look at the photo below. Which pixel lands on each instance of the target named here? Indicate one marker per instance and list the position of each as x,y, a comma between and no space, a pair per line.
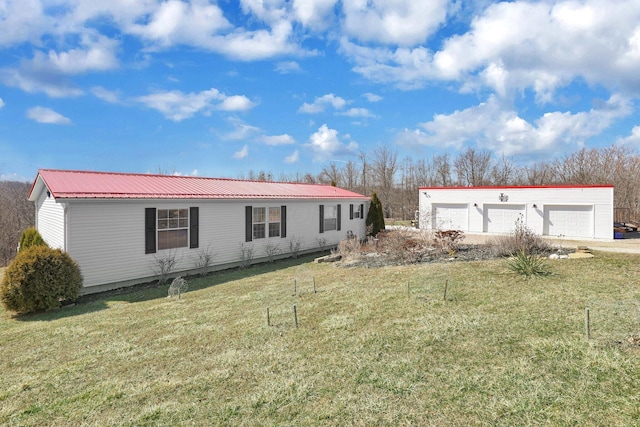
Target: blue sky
220,88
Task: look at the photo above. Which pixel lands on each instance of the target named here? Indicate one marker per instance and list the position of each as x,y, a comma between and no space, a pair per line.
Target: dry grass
370,350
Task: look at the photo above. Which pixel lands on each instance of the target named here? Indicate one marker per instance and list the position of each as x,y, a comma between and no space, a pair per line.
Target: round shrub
31,237
40,278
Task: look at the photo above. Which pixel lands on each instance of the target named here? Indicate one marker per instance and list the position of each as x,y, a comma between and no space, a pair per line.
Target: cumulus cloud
241,130
633,138
1,103
321,103
105,94
502,130
283,139
293,158
242,153
177,106
287,67
47,115
315,14
372,97
325,143
358,112
513,46
400,22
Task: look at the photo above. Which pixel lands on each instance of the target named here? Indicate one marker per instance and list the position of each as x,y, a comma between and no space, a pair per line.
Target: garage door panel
501,218
569,221
450,216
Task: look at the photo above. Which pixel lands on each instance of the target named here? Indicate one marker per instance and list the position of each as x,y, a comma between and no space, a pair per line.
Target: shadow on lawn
152,290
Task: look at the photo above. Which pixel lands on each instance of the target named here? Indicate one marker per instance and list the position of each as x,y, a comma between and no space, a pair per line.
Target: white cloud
1,103
284,139
241,130
372,97
105,94
319,104
633,139
325,143
315,14
244,152
398,22
358,112
288,67
47,115
177,106
293,158
502,130
177,22
236,103
519,45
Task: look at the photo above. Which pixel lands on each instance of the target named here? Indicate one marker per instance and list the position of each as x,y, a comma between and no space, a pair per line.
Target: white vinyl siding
568,221
502,218
50,220
108,235
450,216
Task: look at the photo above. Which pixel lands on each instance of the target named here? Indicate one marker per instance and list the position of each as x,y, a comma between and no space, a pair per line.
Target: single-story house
117,225
572,211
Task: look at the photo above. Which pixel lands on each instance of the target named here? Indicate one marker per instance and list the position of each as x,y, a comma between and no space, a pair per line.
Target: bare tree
473,167
16,214
331,173
506,172
385,166
441,170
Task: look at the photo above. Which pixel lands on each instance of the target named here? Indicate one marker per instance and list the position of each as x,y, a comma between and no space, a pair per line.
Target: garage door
501,218
570,221
449,216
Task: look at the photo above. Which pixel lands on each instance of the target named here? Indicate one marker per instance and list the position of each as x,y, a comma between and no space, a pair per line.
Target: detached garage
584,212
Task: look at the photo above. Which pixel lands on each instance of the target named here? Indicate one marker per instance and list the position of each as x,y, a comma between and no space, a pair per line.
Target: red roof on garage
67,184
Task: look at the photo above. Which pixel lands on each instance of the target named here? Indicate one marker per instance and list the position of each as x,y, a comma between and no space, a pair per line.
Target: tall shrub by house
40,278
31,237
375,216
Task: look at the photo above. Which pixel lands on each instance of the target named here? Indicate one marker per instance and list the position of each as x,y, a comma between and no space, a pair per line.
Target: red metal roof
66,184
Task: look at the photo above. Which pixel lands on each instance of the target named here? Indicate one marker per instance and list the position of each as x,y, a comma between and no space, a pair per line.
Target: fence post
587,323
295,315
268,318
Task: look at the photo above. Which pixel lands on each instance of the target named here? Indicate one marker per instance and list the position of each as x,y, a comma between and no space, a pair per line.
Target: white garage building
584,212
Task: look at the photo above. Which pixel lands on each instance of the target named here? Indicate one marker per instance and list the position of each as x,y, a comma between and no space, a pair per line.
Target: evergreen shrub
40,278
31,237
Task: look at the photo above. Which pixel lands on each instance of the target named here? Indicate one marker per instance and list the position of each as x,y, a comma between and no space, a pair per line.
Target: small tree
30,237
375,216
40,278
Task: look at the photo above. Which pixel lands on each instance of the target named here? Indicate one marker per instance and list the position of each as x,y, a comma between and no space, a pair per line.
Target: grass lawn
369,349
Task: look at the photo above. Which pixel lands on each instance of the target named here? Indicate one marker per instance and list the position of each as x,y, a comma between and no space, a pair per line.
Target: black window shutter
283,221
193,227
150,230
248,223
339,219
361,211
321,218
351,211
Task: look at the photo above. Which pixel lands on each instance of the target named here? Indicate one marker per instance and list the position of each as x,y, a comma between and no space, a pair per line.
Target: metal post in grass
268,318
314,284
408,291
295,315
446,285
587,323
295,286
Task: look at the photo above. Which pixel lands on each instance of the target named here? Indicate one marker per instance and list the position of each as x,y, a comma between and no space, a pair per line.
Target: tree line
396,181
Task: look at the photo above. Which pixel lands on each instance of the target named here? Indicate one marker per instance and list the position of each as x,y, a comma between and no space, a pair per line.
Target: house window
173,228
274,222
259,222
330,217
356,212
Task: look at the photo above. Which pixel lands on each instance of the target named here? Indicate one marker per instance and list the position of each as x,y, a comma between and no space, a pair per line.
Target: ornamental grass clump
40,278
528,265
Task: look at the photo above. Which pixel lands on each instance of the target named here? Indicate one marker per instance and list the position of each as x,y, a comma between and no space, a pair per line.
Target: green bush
40,278
31,237
528,265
